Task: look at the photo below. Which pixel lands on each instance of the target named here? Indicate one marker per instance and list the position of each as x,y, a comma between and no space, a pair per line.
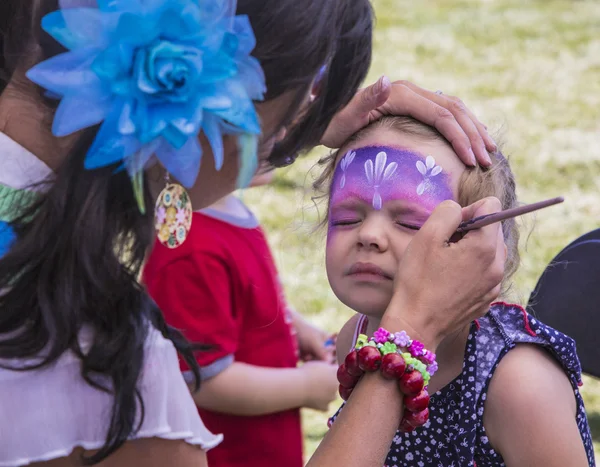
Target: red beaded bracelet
382,353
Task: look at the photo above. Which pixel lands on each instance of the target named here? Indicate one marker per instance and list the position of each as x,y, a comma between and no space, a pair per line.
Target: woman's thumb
375,95
443,222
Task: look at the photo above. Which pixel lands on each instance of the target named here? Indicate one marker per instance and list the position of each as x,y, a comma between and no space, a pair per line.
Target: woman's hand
440,286
447,114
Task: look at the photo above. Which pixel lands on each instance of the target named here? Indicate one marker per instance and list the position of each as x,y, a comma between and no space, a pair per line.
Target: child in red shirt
221,288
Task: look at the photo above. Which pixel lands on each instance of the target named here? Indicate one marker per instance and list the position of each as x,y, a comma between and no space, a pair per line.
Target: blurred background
531,71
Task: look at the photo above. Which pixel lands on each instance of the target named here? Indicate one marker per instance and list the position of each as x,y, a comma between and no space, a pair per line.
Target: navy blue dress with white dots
454,435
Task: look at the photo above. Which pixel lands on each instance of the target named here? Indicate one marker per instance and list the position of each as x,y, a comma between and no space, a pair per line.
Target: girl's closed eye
408,225
345,221
346,215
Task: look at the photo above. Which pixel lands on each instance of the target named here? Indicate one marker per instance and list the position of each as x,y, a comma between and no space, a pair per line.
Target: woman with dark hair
88,367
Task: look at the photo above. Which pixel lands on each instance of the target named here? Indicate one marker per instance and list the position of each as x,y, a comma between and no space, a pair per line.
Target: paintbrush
488,219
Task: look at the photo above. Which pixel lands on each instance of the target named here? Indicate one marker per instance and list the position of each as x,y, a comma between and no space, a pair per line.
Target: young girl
227,295
506,388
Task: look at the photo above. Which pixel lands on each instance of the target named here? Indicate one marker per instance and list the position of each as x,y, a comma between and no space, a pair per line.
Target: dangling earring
172,215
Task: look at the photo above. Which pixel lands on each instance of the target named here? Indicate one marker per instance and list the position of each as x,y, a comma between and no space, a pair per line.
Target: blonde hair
475,183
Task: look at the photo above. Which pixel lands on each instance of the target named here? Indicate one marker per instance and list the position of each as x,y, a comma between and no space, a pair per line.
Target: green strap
12,201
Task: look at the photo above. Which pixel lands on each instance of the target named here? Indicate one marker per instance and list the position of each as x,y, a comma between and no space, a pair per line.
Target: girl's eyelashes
344,222
409,226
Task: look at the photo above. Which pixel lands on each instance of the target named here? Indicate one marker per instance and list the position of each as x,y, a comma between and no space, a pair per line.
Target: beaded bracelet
399,358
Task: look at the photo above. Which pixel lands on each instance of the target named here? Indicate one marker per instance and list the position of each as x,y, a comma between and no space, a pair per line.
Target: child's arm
250,390
195,296
530,412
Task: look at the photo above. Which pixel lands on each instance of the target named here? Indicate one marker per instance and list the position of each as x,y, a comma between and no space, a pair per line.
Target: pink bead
401,339
381,336
416,349
428,357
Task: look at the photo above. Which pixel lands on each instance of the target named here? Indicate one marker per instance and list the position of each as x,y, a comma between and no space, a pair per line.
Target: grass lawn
531,70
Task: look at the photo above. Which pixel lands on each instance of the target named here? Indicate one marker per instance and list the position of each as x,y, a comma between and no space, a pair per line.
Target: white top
45,414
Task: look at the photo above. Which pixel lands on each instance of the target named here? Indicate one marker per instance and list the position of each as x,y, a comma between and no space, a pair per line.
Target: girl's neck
231,205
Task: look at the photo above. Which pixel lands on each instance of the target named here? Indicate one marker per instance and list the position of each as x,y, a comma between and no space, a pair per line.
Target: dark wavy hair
81,244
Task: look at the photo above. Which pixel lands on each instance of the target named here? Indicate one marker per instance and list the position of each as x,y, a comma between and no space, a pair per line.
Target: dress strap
361,328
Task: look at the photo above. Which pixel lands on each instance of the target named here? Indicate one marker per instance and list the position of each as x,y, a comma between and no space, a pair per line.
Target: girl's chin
372,310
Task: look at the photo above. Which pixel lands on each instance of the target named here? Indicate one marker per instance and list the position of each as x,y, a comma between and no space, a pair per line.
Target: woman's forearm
363,432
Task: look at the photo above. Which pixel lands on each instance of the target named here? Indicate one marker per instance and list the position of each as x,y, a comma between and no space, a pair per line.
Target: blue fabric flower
155,73
7,236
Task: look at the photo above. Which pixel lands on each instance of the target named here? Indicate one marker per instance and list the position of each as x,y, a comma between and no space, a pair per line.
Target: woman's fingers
404,101
448,114
372,97
441,226
357,114
479,139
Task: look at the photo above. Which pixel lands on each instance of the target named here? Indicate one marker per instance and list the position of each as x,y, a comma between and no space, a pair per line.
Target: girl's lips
367,269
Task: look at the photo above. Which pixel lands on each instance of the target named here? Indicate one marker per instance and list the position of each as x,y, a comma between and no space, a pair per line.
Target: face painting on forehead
378,174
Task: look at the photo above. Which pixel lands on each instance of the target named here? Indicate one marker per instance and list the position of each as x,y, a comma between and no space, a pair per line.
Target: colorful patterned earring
173,214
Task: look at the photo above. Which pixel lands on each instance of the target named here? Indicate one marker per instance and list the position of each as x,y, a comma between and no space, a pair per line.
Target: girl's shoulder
46,413
507,325
531,388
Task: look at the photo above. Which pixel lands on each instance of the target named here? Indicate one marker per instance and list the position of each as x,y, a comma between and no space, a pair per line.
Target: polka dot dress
454,435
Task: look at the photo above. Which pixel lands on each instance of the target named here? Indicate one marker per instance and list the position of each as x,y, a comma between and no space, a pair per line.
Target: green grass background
528,69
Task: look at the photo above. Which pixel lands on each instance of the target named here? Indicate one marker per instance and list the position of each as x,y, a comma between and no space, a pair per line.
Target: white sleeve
45,414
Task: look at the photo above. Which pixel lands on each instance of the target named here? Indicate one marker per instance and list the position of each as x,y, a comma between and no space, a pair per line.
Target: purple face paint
377,174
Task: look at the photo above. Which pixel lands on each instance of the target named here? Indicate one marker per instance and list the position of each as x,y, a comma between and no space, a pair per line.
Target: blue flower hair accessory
155,73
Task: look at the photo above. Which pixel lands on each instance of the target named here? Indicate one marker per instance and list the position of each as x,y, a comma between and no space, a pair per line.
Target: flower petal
242,29
421,188
184,163
248,144
430,162
74,28
377,201
241,113
138,161
67,73
251,74
126,125
421,168
369,171
390,170
137,30
89,113
436,170
211,129
380,161
110,146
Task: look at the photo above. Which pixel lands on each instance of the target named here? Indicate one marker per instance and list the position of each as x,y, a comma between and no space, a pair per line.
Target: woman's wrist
399,358
401,315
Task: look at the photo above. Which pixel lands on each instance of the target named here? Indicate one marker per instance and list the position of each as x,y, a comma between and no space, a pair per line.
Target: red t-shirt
221,288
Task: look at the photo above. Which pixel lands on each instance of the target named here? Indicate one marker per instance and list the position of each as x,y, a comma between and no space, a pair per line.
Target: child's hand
312,341
321,384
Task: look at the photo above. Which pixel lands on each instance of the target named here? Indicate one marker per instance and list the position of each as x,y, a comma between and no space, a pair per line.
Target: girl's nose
372,236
